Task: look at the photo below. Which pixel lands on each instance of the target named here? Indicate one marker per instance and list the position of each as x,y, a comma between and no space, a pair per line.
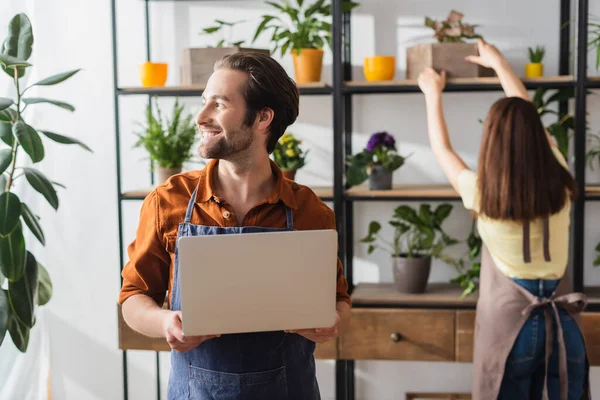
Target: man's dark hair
268,86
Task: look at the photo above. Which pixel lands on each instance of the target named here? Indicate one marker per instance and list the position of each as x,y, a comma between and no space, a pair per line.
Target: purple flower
381,139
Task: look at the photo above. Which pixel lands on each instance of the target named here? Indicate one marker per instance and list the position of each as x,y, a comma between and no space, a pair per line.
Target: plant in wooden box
450,51
288,155
29,284
418,236
168,143
377,162
197,63
535,67
304,34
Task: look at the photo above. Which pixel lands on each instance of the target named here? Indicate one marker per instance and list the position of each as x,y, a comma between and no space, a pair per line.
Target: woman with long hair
528,337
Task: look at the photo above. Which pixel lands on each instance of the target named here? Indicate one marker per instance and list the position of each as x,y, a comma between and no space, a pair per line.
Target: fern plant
536,55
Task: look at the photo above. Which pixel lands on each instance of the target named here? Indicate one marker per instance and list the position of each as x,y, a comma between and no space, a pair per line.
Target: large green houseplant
303,29
29,284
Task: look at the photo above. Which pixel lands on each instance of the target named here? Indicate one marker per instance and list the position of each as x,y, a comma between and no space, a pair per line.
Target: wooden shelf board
197,89
593,294
323,192
442,295
592,189
442,191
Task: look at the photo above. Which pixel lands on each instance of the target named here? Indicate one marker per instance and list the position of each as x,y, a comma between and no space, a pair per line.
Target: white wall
82,253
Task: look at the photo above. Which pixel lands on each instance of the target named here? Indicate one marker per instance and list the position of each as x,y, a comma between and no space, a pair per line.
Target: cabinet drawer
395,334
465,327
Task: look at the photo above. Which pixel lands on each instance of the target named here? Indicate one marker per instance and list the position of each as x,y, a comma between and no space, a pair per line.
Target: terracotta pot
379,68
380,178
153,74
291,175
308,64
534,70
162,174
411,274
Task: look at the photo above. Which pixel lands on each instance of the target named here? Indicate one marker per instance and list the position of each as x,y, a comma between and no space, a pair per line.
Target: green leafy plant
168,142
452,29
219,27
594,150
594,37
562,129
597,260
416,233
287,154
469,269
536,55
299,26
380,150
29,284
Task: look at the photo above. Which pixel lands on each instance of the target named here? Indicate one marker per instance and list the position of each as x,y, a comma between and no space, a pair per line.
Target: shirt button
226,214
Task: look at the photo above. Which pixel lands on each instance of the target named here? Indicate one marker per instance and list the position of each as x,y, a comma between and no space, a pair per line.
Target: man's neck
244,183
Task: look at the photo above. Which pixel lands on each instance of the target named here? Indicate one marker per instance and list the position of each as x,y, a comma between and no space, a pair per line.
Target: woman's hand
489,56
430,82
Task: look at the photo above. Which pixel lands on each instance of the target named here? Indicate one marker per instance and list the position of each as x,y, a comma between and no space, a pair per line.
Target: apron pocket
213,385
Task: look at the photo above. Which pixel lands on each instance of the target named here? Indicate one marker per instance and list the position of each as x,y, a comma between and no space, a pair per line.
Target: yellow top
504,239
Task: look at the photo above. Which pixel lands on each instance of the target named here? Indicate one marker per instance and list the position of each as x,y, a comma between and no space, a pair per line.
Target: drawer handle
396,337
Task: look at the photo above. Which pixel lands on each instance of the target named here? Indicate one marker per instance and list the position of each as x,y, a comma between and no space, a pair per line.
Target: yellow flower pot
308,64
153,74
379,68
534,70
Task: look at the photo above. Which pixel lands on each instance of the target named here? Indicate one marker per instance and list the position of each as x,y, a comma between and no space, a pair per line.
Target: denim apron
258,365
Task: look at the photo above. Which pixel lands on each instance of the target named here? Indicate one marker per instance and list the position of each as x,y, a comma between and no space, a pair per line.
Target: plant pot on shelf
164,173
380,178
197,64
445,56
308,64
379,68
411,274
153,74
291,174
534,70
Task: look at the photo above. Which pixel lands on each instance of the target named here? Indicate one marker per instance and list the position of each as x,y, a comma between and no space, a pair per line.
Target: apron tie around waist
572,303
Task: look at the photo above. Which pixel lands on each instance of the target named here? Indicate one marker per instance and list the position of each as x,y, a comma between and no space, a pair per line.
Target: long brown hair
519,177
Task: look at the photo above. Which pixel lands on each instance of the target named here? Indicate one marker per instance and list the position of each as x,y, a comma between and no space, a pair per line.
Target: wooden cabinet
399,334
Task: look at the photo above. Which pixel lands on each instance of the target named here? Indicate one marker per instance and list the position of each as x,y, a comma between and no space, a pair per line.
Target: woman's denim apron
261,365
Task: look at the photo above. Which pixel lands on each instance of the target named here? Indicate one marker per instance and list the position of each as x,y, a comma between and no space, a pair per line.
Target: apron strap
190,208
527,241
289,216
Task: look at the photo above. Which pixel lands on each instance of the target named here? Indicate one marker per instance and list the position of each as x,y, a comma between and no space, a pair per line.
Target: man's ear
264,118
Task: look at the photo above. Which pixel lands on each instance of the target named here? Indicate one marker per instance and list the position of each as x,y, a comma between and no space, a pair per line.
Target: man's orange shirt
149,270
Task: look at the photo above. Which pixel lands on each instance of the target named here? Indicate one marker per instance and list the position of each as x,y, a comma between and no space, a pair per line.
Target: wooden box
197,64
448,56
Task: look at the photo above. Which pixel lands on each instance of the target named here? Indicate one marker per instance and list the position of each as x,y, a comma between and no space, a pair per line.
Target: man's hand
174,334
320,335
430,82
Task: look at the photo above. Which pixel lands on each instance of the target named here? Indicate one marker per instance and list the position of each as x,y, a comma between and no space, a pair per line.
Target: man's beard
226,147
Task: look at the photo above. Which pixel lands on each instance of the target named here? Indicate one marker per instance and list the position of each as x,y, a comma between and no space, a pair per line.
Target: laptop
256,282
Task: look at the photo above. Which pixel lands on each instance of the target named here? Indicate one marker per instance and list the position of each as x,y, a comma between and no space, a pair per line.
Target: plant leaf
19,333
40,183
8,63
12,254
3,183
442,212
30,140
10,211
6,133
22,293
65,140
32,223
6,156
39,100
58,78
5,103
8,115
18,43
44,287
4,311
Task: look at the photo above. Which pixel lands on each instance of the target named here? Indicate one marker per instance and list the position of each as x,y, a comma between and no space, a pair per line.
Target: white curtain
24,376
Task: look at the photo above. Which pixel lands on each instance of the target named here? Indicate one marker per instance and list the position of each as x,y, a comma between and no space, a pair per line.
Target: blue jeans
524,371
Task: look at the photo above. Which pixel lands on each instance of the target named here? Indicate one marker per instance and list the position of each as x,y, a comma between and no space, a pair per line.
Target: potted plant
535,67
376,162
29,284
418,236
593,153
305,33
288,155
168,143
468,270
449,52
197,63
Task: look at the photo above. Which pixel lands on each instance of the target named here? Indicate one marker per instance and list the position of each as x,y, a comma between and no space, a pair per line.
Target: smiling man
248,103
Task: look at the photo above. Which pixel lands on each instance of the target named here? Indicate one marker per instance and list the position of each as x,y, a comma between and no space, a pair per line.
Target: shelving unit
377,300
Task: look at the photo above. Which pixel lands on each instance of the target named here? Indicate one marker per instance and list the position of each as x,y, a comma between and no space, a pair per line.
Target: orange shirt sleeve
342,283
147,271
